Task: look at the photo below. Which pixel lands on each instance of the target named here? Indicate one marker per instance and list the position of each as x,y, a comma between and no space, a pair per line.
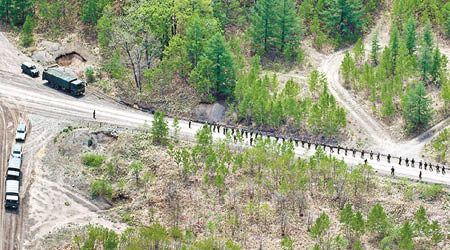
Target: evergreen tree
436,67
104,31
417,111
421,223
445,92
228,12
160,128
319,36
343,18
388,105
377,221
198,32
436,233
263,25
27,32
5,9
410,34
346,217
19,10
375,49
426,51
320,227
394,44
219,70
92,10
358,52
289,29
347,68
406,237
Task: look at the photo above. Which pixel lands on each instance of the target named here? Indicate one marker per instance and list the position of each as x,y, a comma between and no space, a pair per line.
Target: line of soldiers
235,132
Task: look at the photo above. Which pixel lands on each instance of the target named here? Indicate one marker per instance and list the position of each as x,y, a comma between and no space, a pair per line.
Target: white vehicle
21,132
12,194
14,163
17,151
13,175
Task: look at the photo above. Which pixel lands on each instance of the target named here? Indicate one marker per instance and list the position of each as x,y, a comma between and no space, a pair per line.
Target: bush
90,75
431,192
93,160
102,188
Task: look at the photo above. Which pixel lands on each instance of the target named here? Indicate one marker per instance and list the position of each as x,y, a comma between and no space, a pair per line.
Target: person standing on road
93,114
392,170
420,175
190,122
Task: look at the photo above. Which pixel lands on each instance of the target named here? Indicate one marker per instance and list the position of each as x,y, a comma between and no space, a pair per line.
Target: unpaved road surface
48,108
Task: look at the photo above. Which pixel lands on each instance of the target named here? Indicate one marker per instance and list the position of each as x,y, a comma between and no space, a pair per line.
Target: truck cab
12,194
77,87
21,132
30,69
17,151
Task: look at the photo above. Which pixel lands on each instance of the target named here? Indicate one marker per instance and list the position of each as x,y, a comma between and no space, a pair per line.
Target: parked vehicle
29,69
12,194
13,175
17,151
59,79
21,132
14,163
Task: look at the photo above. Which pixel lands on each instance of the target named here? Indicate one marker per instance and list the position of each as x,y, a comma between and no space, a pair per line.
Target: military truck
29,69
12,194
59,79
14,163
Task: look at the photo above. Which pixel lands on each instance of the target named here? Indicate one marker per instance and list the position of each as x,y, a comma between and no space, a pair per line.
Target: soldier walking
392,170
190,123
420,175
93,114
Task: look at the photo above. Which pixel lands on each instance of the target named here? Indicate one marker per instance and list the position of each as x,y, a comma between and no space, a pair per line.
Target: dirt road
11,220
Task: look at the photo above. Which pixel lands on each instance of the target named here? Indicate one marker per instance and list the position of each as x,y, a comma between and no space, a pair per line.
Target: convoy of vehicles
29,69
13,173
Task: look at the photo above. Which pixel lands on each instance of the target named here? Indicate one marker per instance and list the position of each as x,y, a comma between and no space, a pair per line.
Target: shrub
431,192
90,75
102,187
93,160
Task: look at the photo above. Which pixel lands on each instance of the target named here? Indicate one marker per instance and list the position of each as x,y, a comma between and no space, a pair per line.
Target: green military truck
62,80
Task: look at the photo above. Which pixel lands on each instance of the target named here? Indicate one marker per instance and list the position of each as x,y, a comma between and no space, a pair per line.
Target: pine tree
436,68
320,227
5,9
263,25
377,221
346,217
160,128
104,30
417,111
347,68
27,32
223,75
410,35
426,51
19,10
388,105
406,237
343,18
445,93
436,232
289,27
228,12
394,44
319,36
198,32
375,49
358,52
421,223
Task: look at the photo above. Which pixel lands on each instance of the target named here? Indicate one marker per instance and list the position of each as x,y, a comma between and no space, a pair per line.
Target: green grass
93,160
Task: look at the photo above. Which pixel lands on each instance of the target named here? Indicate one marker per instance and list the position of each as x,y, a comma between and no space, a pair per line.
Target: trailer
59,79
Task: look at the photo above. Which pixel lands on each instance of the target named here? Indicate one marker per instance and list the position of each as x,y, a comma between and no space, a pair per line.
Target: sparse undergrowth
439,148
261,195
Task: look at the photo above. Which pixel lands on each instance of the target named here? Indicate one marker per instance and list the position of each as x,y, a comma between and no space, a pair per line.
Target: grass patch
93,160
